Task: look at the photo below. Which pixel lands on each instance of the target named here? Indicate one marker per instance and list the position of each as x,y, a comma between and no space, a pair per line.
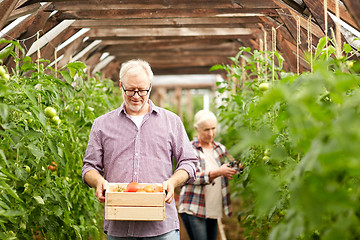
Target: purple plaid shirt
121,152
192,195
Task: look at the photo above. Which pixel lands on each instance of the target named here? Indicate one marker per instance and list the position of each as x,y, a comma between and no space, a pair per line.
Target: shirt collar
152,108
197,144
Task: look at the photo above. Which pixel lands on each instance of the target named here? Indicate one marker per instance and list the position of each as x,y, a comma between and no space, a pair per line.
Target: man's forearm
92,178
179,177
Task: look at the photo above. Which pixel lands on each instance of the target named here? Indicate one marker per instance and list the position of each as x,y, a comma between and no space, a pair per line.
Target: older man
137,143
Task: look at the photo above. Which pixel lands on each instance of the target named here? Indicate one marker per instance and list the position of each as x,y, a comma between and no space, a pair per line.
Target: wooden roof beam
165,13
163,32
7,7
128,5
354,9
165,22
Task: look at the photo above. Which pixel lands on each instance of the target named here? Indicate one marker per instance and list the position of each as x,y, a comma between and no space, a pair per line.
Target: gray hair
202,116
135,65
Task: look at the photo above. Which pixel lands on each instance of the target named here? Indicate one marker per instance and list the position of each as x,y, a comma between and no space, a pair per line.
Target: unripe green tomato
2,71
6,77
265,158
264,86
267,152
350,64
27,168
55,120
50,112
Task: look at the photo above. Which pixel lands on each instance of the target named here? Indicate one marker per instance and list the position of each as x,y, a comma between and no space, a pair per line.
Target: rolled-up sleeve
93,158
184,153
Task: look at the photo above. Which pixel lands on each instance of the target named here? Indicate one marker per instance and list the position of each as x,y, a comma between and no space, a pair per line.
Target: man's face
136,81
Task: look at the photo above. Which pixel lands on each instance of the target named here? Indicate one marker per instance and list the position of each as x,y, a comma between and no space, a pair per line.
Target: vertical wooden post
260,66
273,50
310,43
189,104
265,51
338,33
178,91
298,45
326,27
221,229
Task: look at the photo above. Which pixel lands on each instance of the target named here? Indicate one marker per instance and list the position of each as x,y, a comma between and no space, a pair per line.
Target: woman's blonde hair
202,116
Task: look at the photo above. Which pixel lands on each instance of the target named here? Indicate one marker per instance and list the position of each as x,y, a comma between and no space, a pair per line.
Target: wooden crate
134,206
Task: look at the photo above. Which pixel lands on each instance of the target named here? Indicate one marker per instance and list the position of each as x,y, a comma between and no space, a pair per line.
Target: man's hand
100,189
178,178
169,188
95,180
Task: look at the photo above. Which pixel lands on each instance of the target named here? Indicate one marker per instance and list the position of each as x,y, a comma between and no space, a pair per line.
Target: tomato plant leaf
39,200
4,111
35,151
4,53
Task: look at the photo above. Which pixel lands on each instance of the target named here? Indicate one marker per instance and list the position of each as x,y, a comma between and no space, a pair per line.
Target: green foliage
34,200
299,143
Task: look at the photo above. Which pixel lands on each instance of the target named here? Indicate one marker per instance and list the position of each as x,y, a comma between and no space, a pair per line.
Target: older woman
202,202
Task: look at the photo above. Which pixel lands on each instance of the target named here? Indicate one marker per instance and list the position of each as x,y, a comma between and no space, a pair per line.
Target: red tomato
132,187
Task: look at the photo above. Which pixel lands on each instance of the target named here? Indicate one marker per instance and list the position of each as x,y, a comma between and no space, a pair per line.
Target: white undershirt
137,120
213,197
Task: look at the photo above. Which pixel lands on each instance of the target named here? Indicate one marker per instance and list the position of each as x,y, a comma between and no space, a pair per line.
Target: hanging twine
326,27
273,31
38,53
338,33
261,44
298,42
265,51
310,43
55,54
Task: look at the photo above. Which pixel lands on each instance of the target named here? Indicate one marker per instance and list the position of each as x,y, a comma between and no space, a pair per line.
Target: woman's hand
224,170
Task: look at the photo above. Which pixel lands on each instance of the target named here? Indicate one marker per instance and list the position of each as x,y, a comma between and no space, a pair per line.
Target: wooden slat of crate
134,199
134,213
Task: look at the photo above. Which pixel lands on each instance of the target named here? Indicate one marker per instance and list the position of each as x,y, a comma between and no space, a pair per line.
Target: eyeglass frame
135,91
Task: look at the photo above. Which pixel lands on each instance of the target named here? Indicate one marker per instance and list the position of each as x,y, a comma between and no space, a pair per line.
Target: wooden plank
165,13
174,46
135,199
316,8
146,32
169,38
6,6
344,14
315,29
354,9
130,4
169,22
24,11
135,213
256,4
291,25
47,52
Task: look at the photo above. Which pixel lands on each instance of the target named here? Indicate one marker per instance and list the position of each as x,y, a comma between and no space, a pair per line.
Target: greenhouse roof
174,36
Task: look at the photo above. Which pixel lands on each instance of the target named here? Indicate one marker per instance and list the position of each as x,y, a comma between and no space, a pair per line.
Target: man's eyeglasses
141,93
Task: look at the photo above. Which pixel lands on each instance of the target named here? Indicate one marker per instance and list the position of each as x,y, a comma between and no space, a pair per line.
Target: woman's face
206,131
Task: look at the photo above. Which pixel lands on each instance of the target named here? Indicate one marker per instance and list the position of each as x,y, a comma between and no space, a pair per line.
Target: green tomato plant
298,141
41,149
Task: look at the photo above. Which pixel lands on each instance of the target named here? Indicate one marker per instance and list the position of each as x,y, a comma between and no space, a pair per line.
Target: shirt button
136,154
